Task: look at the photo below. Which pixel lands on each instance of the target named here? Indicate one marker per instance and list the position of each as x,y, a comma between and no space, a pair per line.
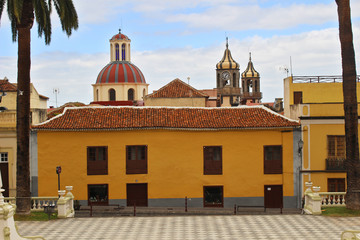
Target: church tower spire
250,83
227,79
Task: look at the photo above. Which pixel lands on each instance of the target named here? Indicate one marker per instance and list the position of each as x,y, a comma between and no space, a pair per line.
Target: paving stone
193,227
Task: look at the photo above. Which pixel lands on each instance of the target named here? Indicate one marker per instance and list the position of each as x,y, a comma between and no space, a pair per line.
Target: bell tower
227,80
250,82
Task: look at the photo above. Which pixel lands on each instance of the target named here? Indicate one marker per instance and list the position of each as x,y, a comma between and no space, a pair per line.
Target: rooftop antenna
188,78
56,91
284,69
291,72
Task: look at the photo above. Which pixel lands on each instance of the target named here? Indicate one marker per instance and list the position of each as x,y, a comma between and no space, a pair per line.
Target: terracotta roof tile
106,118
6,86
177,89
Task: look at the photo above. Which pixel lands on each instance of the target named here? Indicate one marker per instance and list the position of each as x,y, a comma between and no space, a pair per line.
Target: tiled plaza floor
193,227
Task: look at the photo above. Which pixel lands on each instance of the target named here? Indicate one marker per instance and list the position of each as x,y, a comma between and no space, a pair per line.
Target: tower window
123,52
117,57
112,95
131,94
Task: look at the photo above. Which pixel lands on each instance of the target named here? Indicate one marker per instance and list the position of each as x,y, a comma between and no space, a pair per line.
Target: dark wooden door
137,193
4,167
273,196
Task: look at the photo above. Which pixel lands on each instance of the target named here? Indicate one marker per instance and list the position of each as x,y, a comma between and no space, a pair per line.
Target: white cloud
254,17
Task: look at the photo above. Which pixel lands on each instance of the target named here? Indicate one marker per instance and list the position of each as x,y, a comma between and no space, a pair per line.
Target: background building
177,94
38,105
318,102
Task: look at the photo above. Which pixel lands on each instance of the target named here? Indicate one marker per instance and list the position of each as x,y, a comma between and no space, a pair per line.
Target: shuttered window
336,147
97,161
212,160
136,159
273,159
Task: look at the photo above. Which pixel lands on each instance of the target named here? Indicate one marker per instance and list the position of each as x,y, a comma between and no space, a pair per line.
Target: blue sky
179,39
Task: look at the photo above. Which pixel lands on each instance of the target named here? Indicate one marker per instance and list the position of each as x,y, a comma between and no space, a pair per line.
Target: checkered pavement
193,227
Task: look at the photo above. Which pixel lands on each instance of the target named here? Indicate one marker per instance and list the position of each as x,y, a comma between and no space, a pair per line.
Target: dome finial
249,56
227,43
119,30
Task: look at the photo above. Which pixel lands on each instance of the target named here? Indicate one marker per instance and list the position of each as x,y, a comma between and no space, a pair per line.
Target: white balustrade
333,199
63,205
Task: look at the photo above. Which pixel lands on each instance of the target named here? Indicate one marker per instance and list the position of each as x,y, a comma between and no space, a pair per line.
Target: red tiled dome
120,72
120,36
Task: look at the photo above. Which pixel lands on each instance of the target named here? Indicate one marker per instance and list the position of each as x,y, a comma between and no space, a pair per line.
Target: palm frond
42,16
2,4
67,14
15,8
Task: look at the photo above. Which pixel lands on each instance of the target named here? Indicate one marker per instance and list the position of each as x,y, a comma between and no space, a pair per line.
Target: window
336,146
298,99
212,160
97,161
123,52
136,159
117,57
336,184
4,157
131,94
98,194
112,94
272,159
213,196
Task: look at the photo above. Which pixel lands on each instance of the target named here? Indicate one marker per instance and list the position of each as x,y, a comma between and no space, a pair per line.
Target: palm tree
21,14
352,163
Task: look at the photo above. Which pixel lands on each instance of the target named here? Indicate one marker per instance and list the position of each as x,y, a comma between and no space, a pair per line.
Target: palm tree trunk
352,163
23,200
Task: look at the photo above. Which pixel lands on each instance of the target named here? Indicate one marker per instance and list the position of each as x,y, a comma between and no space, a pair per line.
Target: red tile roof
177,89
6,86
52,112
122,118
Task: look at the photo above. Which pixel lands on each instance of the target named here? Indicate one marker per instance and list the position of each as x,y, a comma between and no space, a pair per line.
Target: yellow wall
176,102
175,162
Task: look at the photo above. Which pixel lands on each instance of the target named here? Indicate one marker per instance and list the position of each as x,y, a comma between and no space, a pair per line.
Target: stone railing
64,205
333,199
314,199
37,203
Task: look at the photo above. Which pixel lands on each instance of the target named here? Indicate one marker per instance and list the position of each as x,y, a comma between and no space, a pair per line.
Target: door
137,193
4,168
273,196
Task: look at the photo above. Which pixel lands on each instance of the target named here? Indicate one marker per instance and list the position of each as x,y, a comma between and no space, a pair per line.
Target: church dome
250,70
227,62
120,72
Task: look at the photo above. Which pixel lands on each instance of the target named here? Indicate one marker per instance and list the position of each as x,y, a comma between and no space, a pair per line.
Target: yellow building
157,156
38,105
318,103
